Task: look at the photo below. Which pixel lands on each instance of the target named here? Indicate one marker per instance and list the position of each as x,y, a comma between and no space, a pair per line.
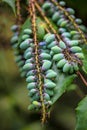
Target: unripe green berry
28,66
52,44
66,34
71,70
78,21
73,32
45,56
62,45
14,39
45,37
31,85
49,92
31,107
76,49
76,37
56,49
50,38
25,44
66,67
62,3
28,31
18,58
75,66
61,63
64,23
71,11
46,96
50,85
46,6
35,97
51,53
24,37
51,74
29,49
83,28
80,55
20,63
58,57
23,74
36,103
49,103
55,16
62,30
28,55
30,79
31,60
32,92
60,21
46,65
74,43
30,73
14,28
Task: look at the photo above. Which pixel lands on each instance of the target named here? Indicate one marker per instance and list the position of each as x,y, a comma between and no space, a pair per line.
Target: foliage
85,60
63,83
64,75
82,115
11,3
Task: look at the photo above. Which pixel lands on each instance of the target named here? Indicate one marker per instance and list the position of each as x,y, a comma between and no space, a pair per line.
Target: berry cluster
66,58
67,52
40,49
48,75
14,39
19,58
59,17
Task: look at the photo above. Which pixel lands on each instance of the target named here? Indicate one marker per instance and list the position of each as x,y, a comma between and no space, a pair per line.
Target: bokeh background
13,93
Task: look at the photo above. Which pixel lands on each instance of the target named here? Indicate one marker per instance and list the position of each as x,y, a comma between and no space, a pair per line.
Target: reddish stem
81,76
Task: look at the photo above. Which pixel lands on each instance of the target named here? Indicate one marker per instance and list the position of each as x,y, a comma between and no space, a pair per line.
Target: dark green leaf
72,87
81,111
27,24
85,60
40,29
63,83
11,3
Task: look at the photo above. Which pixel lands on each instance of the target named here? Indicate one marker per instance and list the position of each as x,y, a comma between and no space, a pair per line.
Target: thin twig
47,21
19,19
81,76
34,29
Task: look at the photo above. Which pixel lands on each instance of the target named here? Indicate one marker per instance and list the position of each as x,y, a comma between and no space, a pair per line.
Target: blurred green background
13,93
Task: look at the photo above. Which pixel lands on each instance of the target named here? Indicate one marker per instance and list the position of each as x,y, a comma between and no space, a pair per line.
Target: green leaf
63,83
72,87
40,29
11,3
85,60
81,112
27,24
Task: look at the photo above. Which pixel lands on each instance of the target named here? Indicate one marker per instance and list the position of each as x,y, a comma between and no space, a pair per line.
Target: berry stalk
47,21
19,19
32,4
80,75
